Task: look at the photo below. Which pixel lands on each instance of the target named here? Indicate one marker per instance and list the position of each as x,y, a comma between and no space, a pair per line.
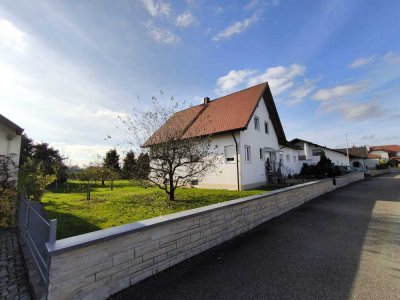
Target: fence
36,231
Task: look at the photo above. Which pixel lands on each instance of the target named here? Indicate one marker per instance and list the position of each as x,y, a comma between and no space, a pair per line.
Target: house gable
229,113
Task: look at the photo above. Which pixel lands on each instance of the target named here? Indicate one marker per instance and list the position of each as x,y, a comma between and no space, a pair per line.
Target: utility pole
347,151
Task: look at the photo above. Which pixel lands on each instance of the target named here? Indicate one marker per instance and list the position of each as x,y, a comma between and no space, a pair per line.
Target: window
294,158
247,154
256,123
288,158
266,125
302,157
261,153
230,154
316,152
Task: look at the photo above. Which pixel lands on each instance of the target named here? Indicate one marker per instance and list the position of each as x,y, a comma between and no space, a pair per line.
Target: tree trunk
172,195
112,185
88,194
102,182
171,188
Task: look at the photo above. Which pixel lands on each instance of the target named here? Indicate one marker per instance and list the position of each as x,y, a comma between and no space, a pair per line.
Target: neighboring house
360,159
386,152
310,153
10,138
246,133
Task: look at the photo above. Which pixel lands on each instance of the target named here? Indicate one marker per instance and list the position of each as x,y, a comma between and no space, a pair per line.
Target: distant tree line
110,170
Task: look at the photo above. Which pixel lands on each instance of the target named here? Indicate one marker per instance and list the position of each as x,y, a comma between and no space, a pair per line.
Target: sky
68,69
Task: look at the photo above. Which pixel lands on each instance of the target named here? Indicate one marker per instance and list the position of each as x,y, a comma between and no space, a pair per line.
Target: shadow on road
312,252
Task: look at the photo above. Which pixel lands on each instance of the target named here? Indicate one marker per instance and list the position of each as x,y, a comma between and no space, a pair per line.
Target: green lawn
125,204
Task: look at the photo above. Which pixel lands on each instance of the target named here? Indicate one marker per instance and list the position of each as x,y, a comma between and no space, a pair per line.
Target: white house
311,153
246,134
10,138
360,159
386,152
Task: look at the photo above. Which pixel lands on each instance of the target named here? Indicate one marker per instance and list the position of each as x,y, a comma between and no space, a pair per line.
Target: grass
127,203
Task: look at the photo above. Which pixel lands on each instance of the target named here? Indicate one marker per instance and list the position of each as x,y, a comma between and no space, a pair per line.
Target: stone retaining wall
379,172
98,264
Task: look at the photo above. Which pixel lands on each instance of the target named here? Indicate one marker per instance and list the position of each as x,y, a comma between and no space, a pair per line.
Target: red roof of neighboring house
388,148
226,114
374,156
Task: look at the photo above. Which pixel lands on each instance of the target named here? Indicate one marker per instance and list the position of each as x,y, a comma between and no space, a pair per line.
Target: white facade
260,146
10,143
311,154
383,154
291,159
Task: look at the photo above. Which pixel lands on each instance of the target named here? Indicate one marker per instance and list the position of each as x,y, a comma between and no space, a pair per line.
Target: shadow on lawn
70,225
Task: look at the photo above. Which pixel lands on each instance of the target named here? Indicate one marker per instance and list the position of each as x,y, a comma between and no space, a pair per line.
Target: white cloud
302,91
185,19
361,111
161,36
279,78
235,28
361,62
157,7
368,137
289,80
355,111
257,4
107,113
232,80
392,58
339,91
11,37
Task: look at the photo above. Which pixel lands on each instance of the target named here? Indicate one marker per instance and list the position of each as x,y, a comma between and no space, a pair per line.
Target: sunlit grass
128,202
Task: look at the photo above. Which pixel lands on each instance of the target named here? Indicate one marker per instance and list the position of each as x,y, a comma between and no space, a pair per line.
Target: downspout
237,161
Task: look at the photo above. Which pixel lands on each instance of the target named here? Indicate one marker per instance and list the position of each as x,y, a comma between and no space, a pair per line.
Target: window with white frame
230,154
247,153
294,158
256,123
288,157
266,127
261,153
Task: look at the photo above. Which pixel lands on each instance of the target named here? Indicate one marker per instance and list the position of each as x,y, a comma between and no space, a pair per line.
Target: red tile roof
374,156
226,114
388,148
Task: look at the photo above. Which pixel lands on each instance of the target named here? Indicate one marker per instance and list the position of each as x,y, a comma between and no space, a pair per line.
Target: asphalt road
343,245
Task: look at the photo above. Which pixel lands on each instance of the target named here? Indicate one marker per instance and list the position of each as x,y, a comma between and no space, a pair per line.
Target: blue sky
69,68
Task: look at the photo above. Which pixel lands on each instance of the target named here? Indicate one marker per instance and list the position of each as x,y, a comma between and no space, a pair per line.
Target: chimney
206,100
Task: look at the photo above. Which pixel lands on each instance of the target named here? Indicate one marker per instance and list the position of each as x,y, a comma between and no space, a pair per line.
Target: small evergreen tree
142,167
111,161
129,166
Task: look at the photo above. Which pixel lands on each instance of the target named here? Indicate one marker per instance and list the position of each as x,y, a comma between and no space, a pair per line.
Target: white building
246,134
311,153
10,138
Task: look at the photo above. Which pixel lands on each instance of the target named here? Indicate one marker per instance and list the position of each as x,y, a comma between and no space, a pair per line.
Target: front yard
127,203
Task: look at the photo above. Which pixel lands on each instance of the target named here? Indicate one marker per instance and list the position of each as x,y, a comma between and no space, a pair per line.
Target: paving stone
14,283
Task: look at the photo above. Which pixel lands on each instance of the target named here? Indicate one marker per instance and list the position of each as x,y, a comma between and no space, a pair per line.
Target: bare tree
176,159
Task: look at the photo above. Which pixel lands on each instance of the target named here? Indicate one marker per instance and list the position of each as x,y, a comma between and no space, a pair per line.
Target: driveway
343,245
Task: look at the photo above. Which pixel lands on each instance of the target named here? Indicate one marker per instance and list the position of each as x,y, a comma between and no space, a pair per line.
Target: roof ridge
250,87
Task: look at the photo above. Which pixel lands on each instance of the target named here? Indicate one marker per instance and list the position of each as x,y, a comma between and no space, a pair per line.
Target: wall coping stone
84,240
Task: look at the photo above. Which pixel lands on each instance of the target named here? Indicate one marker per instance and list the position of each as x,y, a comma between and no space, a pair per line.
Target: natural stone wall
98,264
